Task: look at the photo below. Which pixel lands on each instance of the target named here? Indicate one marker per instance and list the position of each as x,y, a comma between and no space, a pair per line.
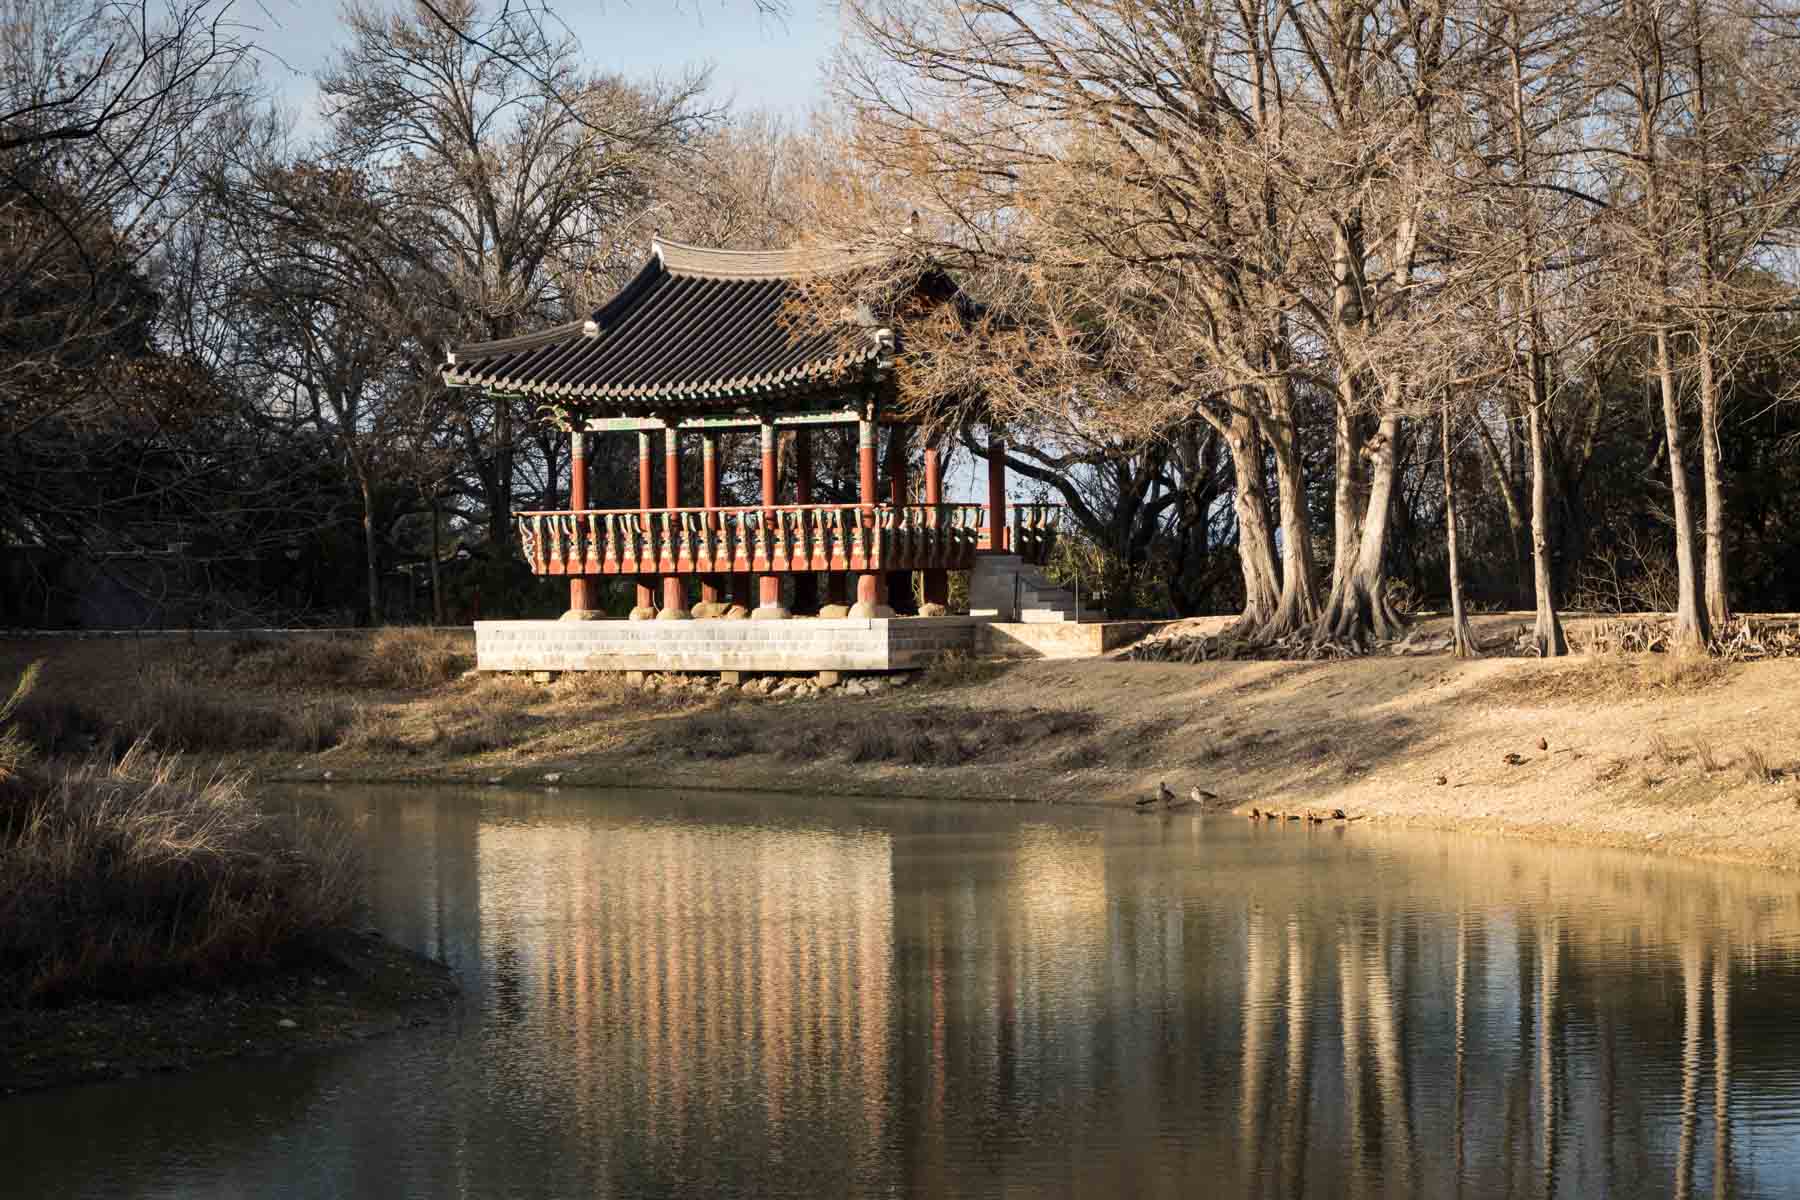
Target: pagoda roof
696,328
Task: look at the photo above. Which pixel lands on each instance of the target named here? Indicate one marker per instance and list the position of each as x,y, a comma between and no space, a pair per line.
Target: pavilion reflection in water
1048,1001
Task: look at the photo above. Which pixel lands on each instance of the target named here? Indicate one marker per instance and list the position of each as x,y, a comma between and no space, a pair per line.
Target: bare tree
504,184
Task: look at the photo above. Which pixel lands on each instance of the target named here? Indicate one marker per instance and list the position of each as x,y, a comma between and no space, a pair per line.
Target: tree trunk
1298,606
372,556
1691,635
1462,639
1547,634
1359,611
1718,602
1346,488
1718,599
437,582
1256,542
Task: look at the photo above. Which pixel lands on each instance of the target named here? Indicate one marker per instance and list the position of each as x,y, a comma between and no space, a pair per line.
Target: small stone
287,1023
899,680
933,610
318,981
834,612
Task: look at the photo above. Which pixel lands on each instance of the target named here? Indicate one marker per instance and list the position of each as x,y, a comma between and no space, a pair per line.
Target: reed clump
118,878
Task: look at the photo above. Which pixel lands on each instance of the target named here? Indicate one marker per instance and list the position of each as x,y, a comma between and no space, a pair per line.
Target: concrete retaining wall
799,644
1050,639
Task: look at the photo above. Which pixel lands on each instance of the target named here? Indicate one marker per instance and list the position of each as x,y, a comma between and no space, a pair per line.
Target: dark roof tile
695,326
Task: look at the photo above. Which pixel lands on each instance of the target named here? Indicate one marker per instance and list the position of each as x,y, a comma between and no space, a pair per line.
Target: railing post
869,583
996,493
937,578
645,608
806,581
674,587
710,590
768,586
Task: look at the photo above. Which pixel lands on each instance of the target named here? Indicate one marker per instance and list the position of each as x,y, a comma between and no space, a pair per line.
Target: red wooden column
899,583
768,587
674,607
937,579
581,588
646,595
711,591
870,602
806,583
996,493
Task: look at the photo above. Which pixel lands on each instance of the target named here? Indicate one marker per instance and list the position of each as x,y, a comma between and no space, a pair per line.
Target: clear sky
774,63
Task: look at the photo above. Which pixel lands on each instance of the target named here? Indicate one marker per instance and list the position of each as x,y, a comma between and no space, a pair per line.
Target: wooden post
710,590
674,606
996,492
870,602
899,582
581,588
806,583
937,579
768,586
645,608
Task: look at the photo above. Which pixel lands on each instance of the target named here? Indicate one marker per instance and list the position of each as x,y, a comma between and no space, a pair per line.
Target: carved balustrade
782,539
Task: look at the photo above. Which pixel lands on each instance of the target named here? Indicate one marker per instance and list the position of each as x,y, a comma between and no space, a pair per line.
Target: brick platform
799,644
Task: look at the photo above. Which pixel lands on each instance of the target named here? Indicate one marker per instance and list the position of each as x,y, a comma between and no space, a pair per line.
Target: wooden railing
786,538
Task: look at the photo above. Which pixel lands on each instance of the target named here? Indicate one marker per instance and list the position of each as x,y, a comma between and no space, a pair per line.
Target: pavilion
701,342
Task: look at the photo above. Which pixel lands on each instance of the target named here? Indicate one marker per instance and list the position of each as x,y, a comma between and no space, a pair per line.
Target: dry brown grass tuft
1708,756
396,657
1666,753
1756,767
1610,676
177,715
413,658
116,879
960,669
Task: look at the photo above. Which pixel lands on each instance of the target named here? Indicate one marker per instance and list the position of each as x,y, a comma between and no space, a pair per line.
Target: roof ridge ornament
795,262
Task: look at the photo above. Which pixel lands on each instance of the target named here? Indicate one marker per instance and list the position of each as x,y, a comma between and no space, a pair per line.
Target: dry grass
1664,752
395,658
1756,767
1594,677
959,669
117,879
922,736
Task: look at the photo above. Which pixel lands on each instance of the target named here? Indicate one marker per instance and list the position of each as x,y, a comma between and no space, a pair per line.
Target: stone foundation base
583,614
776,646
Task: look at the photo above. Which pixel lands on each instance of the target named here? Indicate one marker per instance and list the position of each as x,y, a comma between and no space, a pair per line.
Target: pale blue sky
757,61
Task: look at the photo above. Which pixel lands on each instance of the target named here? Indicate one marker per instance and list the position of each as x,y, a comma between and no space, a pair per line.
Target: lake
725,995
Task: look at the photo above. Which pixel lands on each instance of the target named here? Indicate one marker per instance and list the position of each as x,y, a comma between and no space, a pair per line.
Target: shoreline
352,987
1696,759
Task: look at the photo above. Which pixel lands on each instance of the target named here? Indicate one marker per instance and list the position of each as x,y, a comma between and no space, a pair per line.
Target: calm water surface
681,995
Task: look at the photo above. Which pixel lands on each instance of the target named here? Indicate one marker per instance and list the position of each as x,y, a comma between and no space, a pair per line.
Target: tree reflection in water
762,996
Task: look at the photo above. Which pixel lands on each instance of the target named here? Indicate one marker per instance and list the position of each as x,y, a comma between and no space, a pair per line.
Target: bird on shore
1163,796
1198,794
